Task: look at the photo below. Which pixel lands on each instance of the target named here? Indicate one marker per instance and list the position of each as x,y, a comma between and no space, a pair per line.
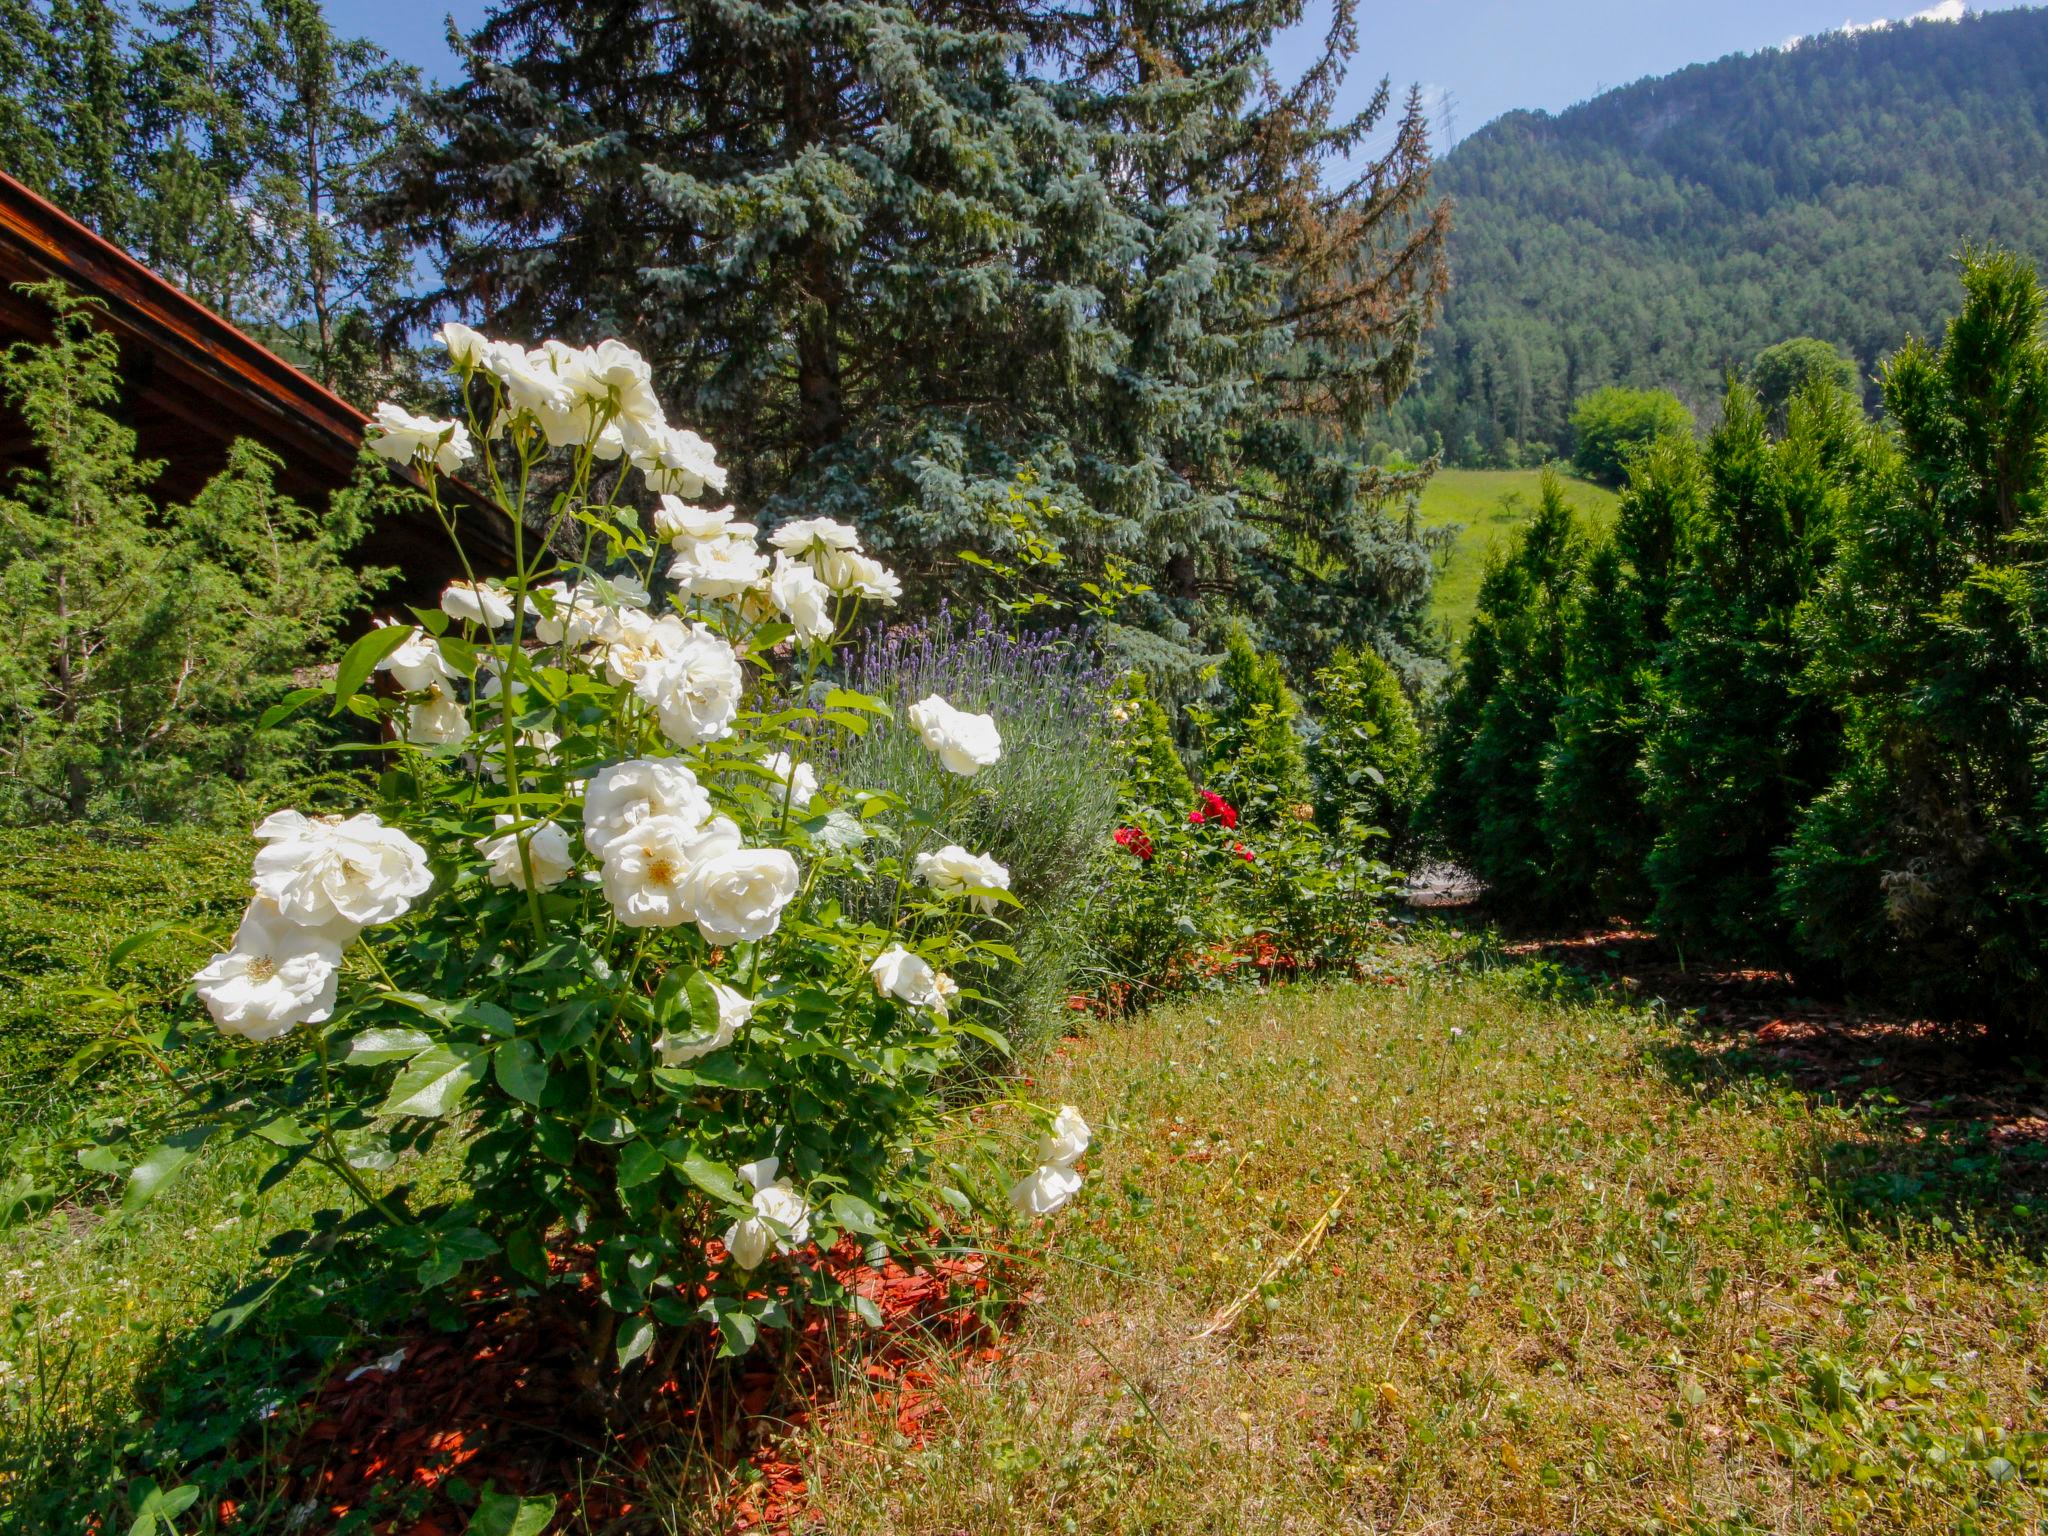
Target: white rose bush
593,925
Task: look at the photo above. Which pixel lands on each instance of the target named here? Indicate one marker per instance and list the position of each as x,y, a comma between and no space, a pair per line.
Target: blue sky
1481,57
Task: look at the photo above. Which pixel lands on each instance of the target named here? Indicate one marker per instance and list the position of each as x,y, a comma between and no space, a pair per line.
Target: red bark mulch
497,1404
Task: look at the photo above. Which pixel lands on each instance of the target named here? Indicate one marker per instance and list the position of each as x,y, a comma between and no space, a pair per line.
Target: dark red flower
1243,853
1196,818
1218,807
1134,839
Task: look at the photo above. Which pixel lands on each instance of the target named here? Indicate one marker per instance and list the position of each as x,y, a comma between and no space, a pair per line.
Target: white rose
614,371
850,571
801,778
417,664
465,347
648,872
436,721
807,534
620,797
803,599
781,1220
695,692
277,973
953,873
965,744
1044,1190
907,977
528,379
639,641
486,603
406,439
676,461
948,990
737,896
675,519
734,1009
324,871
1063,1145
547,851
593,609
714,568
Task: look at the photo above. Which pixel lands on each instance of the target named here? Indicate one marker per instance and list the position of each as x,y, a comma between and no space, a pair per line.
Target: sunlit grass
1561,1290
1478,500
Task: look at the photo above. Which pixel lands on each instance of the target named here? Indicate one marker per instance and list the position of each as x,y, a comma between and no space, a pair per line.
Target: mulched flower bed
498,1404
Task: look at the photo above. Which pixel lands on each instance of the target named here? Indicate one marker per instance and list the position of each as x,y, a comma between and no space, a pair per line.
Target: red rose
1243,853
1135,840
1219,808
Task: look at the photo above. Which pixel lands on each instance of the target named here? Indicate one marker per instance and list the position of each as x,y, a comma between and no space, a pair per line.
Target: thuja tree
1924,865
1740,745
146,641
904,261
1594,791
1501,716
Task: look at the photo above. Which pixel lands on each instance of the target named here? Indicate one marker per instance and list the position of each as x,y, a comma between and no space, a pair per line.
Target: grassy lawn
1489,504
1489,1252
1567,1285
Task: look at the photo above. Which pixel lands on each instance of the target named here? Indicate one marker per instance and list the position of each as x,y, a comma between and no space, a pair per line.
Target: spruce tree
903,262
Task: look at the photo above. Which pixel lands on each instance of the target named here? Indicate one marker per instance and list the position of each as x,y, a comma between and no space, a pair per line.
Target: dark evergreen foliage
907,261
1484,803
1923,868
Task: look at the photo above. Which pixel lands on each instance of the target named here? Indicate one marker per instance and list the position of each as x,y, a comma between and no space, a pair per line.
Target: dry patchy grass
1562,1291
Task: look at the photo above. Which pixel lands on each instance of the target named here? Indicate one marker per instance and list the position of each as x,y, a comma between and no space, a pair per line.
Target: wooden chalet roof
193,383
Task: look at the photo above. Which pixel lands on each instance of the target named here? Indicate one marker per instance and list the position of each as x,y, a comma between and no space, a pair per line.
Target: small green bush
1252,755
1366,758
68,895
1610,426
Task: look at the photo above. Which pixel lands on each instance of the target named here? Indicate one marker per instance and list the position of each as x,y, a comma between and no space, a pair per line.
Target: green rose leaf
638,1162
157,1170
435,1081
361,660
397,1042
715,1179
519,1070
509,1514
856,1215
636,1337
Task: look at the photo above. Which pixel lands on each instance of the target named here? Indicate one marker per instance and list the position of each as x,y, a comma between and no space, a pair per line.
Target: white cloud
1943,10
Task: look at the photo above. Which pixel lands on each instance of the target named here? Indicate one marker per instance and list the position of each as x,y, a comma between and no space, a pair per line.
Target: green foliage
229,145
909,259
1252,751
1610,426
67,897
1789,368
1048,806
1923,867
1366,756
1740,746
1659,233
1594,791
147,641
1498,721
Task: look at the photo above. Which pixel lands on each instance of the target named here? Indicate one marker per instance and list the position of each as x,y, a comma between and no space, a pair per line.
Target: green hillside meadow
1487,505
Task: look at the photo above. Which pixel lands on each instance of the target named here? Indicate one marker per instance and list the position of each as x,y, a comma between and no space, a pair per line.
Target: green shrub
1923,868
1610,426
1252,755
1501,717
1366,757
1596,815
68,895
1741,744
145,642
1790,368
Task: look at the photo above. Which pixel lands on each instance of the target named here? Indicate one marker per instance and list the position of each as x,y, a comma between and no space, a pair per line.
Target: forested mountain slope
1659,233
